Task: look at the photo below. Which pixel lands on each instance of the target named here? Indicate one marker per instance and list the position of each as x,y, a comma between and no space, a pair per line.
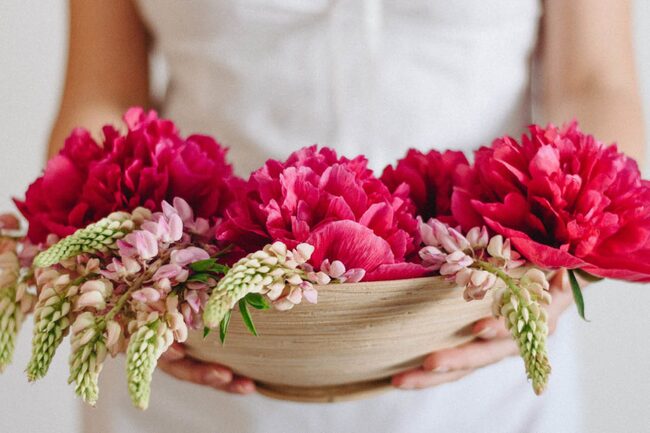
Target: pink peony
148,164
332,203
564,199
430,178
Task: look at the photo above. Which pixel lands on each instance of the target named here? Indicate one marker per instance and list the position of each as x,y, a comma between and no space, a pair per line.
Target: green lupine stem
507,279
137,284
11,318
527,324
49,329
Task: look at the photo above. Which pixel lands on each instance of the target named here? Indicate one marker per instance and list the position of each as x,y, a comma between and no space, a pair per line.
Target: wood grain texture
350,343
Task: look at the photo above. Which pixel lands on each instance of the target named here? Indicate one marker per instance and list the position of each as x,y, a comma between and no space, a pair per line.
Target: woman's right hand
176,363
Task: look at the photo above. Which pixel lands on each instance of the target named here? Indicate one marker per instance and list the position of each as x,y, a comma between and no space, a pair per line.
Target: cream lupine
97,237
478,264
51,321
273,271
87,355
147,343
527,322
11,317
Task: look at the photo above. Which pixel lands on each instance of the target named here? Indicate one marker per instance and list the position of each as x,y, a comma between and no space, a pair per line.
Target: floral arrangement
133,242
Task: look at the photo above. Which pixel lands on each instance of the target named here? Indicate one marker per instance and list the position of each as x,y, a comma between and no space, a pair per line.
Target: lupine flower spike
478,264
273,271
147,344
97,237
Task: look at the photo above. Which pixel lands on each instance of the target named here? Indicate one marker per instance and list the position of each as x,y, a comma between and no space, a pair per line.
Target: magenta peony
564,199
430,178
335,204
148,164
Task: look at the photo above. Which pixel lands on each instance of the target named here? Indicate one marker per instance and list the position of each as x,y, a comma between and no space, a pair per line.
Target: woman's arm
588,70
107,72
588,73
107,68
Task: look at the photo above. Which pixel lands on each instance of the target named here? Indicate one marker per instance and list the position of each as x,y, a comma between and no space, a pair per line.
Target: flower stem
507,279
137,284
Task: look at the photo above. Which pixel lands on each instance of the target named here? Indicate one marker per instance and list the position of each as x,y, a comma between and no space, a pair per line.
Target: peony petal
397,271
544,256
351,243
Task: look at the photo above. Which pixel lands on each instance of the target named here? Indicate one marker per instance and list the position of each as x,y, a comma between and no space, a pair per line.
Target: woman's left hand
492,344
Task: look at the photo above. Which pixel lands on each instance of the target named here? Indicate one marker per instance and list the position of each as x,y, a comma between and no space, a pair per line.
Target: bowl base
325,394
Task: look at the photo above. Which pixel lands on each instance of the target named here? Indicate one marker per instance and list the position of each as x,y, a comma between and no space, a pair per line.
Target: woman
372,77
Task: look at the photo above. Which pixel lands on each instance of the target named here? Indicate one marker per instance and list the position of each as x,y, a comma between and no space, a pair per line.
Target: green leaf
246,316
223,327
206,331
577,294
203,265
218,268
201,277
257,301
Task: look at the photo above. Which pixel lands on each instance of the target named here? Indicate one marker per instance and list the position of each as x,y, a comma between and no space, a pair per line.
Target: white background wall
614,347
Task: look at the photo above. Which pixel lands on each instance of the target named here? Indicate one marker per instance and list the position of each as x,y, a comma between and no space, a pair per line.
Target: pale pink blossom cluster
286,295
159,255
458,256
147,273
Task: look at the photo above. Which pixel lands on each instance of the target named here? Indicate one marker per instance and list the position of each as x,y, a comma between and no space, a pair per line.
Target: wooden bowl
348,344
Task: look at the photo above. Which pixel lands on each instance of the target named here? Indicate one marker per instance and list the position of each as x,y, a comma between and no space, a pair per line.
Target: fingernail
215,377
242,388
441,369
487,333
403,384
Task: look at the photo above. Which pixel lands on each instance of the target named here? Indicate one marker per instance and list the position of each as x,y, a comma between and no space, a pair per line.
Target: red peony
147,165
430,178
564,199
335,204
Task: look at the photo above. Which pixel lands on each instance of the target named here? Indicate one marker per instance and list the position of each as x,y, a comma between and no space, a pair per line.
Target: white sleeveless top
363,76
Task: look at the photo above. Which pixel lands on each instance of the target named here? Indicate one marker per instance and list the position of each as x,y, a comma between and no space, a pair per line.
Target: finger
490,328
559,282
197,372
418,378
175,352
241,385
470,355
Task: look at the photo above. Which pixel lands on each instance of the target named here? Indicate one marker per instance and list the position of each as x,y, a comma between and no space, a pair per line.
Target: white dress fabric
373,77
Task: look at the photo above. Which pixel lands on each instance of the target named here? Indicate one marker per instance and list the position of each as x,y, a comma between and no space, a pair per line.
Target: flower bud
92,299
427,234
188,255
455,262
278,248
432,257
303,252
478,238
146,295
113,334
495,246
309,293
335,269
353,275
